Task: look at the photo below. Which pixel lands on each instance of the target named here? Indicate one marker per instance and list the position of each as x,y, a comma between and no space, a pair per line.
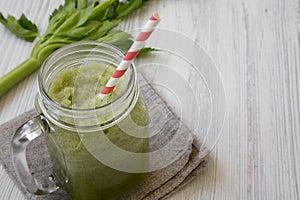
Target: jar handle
24,135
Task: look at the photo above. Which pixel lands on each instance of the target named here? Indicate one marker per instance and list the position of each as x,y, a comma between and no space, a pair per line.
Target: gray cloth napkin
159,185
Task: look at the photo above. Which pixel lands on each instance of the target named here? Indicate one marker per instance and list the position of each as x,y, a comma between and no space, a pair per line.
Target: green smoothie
77,87
75,168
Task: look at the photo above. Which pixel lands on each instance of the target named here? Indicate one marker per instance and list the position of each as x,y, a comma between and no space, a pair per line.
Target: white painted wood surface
256,45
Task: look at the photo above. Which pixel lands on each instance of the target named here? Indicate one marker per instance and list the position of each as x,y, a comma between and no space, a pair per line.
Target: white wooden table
256,45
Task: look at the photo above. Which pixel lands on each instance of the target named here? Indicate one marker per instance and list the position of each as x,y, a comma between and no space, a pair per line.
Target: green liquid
75,168
77,87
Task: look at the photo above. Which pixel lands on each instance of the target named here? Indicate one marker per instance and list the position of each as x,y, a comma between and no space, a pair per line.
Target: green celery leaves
22,27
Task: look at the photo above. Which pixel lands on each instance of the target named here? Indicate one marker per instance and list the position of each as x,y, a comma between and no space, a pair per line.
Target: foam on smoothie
77,87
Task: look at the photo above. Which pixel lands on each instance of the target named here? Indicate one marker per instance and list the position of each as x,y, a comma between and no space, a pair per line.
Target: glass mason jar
92,153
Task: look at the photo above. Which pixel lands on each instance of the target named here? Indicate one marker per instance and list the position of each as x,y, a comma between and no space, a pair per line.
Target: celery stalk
18,74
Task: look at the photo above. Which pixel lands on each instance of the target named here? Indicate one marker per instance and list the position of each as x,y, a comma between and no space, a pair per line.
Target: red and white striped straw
134,50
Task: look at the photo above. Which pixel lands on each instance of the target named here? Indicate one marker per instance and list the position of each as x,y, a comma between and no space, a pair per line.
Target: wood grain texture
256,45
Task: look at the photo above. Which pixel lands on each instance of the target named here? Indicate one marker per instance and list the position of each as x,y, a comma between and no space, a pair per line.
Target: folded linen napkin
159,185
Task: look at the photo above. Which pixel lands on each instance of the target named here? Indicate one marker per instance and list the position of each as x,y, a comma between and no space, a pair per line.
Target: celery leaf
22,28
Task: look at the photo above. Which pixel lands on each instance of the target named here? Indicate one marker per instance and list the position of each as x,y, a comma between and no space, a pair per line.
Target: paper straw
134,50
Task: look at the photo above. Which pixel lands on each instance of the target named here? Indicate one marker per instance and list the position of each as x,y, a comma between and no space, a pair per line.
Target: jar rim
120,106
76,44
